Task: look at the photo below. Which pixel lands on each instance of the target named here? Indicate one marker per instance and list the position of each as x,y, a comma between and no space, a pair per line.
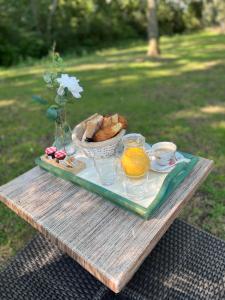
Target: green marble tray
170,184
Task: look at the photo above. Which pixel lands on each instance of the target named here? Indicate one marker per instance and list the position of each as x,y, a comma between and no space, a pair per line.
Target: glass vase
63,134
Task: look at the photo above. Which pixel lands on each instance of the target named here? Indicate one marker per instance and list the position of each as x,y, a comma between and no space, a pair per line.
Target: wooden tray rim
172,181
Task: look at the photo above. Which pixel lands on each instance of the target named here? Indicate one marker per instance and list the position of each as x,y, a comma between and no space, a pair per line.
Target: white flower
71,83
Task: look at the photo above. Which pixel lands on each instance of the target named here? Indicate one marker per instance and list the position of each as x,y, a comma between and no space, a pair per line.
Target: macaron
50,151
60,155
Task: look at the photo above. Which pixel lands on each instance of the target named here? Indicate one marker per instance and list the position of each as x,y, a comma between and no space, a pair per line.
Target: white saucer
161,169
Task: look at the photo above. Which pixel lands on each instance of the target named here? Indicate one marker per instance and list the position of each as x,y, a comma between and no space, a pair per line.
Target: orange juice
135,162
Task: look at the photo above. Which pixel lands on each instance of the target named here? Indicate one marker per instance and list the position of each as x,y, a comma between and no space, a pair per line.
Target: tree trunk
50,17
222,26
153,31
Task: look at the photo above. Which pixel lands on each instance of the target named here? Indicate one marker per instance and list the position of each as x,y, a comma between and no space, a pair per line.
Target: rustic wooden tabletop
106,240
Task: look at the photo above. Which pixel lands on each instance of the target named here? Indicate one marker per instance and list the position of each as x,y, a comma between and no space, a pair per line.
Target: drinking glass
138,188
106,169
135,188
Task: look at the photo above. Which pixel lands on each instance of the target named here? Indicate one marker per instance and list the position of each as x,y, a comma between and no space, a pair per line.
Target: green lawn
178,97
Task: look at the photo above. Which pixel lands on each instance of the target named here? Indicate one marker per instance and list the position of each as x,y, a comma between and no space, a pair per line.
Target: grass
178,97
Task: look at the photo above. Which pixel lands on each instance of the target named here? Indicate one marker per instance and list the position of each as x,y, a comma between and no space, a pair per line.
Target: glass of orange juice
135,163
134,160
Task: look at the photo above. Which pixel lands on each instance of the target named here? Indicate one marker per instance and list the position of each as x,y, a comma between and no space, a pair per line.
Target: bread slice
92,126
107,133
123,121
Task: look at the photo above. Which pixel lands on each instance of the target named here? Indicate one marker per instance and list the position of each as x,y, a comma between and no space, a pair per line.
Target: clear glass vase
63,134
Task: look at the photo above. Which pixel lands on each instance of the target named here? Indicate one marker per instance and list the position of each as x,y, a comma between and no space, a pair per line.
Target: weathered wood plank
106,240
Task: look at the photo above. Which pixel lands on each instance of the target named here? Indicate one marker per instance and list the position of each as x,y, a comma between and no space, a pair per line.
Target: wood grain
76,167
107,241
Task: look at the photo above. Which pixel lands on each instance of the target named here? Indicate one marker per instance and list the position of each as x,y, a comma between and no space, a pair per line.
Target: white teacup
164,153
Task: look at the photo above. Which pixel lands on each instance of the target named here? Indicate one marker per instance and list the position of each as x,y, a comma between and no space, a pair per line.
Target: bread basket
96,149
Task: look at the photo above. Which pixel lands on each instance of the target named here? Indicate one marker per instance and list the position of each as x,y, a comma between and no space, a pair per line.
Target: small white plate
161,169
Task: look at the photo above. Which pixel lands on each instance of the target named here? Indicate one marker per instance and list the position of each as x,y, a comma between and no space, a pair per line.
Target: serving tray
169,184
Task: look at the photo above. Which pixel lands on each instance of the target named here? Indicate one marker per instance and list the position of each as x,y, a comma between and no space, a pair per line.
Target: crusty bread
107,122
115,119
92,126
99,128
107,133
123,121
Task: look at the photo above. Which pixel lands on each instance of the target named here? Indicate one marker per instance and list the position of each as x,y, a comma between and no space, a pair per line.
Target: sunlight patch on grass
120,78
8,102
146,64
197,66
219,125
213,109
108,81
187,114
200,113
89,67
126,51
23,71
25,82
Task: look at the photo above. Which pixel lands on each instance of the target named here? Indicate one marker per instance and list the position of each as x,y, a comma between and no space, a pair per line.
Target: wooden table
106,240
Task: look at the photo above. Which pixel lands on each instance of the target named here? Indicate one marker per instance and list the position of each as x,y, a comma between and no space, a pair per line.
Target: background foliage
28,28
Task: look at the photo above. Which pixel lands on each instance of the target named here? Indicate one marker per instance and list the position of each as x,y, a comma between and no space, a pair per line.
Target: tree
214,13
153,30
52,10
35,14
220,5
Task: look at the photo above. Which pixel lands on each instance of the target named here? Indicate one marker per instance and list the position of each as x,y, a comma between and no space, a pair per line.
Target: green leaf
47,77
39,99
53,112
